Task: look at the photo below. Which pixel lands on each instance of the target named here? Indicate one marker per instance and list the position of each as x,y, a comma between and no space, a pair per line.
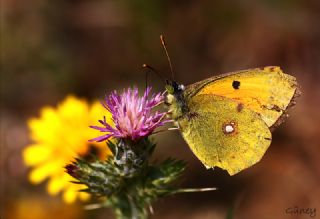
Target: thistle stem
194,190
136,213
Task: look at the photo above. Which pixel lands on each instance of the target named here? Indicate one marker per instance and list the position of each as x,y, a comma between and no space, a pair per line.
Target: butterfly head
174,88
175,99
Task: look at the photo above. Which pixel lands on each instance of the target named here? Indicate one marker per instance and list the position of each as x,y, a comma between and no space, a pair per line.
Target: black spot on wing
236,85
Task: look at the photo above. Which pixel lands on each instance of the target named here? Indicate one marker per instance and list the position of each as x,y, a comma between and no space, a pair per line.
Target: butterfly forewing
266,91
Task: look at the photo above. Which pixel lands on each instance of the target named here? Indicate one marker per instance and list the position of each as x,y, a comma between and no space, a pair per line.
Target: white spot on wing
229,129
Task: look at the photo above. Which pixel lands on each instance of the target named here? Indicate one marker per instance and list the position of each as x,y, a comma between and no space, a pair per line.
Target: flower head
60,135
132,115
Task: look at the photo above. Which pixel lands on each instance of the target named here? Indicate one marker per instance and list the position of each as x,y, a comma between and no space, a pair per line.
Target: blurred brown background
89,48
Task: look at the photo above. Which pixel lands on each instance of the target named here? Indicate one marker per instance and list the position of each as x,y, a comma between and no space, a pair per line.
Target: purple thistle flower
132,115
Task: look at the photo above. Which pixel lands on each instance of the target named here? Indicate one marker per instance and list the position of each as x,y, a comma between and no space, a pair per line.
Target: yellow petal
57,183
74,111
69,195
46,127
43,171
35,154
97,111
84,196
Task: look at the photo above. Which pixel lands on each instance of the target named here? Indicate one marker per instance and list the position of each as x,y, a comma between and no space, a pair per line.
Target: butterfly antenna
151,69
163,42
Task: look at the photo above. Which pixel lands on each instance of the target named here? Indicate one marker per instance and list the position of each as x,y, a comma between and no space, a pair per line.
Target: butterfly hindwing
267,91
220,133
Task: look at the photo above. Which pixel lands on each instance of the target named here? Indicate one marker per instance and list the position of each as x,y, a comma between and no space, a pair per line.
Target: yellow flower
60,135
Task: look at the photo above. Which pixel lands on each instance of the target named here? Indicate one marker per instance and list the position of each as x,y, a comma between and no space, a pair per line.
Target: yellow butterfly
226,120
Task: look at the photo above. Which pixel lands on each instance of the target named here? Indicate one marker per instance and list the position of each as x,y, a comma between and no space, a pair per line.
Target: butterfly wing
221,134
267,91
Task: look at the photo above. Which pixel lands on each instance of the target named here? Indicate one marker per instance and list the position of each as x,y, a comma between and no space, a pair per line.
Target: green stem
194,190
134,210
